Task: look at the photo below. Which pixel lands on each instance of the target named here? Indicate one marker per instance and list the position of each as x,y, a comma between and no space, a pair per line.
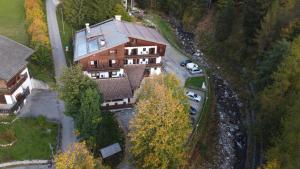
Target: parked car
196,71
192,66
193,96
193,111
183,63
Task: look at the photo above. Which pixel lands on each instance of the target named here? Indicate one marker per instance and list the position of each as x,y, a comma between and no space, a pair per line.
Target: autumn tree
161,126
77,156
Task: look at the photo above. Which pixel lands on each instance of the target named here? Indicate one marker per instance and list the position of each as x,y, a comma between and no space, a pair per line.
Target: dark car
183,63
193,111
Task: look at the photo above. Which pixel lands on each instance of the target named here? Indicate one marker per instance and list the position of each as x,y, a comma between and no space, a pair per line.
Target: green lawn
33,137
12,20
195,82
66,33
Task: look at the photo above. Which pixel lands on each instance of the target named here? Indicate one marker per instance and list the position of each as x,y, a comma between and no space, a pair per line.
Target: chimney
88,29
118,17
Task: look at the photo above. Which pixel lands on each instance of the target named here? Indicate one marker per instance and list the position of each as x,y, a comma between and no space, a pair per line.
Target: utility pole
62,20
132,4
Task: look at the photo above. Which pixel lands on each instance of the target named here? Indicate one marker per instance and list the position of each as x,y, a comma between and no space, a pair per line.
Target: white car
193,96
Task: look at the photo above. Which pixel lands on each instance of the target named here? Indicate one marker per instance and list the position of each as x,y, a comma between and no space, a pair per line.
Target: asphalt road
55,40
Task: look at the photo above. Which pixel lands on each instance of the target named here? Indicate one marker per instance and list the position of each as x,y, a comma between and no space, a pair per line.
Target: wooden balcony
102,67
15,86
154,64
16,106
142,56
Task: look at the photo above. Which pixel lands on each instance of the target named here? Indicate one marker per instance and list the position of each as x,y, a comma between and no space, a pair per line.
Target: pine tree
90,114
75,12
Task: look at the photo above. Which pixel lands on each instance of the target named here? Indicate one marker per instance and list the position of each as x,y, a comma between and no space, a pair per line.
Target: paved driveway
55,40
124,117
46,103
172,64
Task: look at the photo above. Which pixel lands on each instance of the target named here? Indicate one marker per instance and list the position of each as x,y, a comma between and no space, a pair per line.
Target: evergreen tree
224,21
74,83
277,97
75,12
89,114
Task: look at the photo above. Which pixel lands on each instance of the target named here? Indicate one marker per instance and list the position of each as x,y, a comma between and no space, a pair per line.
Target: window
144,49
155,68
94,62
144,59
112,51
114,73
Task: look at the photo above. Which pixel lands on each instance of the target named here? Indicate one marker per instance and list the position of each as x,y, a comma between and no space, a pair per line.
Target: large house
15,82
118,55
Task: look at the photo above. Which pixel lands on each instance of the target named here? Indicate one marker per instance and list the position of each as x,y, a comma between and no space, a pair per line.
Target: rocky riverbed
231,138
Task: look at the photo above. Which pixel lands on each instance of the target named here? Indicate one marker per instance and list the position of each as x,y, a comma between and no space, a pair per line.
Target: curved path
59,59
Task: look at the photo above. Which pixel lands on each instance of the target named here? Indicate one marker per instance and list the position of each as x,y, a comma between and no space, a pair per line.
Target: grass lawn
12,20
109,133
33,137
195,82
66,33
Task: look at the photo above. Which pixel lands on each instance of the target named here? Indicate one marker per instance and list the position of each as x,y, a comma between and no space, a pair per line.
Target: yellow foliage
36,20
273,164
76,156
161,126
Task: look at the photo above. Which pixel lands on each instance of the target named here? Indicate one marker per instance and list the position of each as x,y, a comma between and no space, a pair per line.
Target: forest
260,40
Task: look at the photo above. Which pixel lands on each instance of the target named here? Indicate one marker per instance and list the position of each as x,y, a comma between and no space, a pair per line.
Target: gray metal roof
110,150
13,57
113,33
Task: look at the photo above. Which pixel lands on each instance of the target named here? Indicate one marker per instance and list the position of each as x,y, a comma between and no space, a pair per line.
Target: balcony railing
104,67
14,87
11,108
142,56
154,64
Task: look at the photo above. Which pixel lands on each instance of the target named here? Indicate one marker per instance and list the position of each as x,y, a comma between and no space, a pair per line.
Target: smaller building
15,83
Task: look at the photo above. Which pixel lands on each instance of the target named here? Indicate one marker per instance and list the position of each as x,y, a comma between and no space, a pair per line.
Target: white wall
10,99
158,60
140,49
146,61
105,74
129,61
155,72
112,103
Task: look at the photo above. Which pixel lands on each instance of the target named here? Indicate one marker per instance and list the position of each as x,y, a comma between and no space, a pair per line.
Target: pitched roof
13,57
135,74
116,88
113,33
